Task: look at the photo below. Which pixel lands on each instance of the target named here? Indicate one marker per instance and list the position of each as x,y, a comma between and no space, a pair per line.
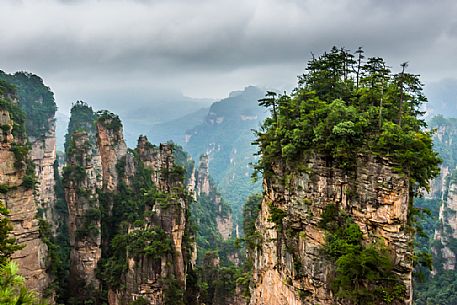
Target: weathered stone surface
444,190
23,208
145,277
377,199
43,155
112,148
446,232
81,184
32,258
204,186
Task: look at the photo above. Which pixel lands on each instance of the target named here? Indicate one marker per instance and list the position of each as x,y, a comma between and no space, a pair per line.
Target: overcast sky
206,48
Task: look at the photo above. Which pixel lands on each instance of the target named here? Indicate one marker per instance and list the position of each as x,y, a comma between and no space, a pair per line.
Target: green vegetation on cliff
36,100
342,108
7,92
12,286
82,119
440,287
364,273
8,244
20,146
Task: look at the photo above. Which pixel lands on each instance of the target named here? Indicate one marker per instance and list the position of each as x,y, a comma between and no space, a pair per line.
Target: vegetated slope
219,258
226,136
342,158
36,99
440,227
128,216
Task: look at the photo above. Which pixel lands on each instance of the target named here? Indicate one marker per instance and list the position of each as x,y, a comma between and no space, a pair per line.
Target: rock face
112,148
115,195
82,178
205,187
43,155
146,277
444,190
446,234
289,267
19,199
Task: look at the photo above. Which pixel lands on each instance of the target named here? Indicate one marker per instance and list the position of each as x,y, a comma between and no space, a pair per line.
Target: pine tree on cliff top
344,107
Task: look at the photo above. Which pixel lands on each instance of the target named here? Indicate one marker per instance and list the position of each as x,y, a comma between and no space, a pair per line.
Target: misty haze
222,152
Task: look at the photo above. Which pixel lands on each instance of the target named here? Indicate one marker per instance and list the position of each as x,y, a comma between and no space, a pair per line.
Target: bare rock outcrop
82,178
289,266
17,194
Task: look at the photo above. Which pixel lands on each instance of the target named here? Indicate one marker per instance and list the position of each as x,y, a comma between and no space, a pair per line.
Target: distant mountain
175,129
225,135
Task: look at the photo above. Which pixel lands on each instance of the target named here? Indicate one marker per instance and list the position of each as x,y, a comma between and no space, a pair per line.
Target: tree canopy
344,106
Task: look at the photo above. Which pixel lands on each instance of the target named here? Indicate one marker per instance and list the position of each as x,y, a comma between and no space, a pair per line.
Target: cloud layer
206,48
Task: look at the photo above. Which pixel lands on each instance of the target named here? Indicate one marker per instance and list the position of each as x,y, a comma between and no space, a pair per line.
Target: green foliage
59,258
20,154
364,273
251,210
128,223
252,240
82,119
276,215
35,99
218,283
140,301
56,266
173,293
8,244
30,179
7,89
150,242
4,188
73,171
12,287
16,115
109,120
338,114
440,287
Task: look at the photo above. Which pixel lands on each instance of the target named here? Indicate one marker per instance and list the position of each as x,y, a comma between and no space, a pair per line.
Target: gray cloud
205,48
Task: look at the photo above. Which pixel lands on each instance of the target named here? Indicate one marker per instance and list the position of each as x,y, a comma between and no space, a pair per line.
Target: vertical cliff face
17,181
341,166
205,187
446,234
37,102
43,154
82,178
160,277
290,267
112,148
444,192
128,212
218,259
